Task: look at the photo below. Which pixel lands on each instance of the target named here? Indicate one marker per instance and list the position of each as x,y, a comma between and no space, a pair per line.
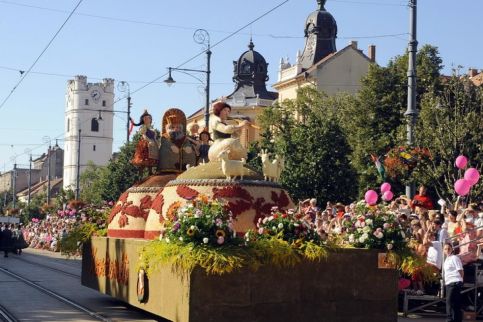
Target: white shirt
435,254
452,266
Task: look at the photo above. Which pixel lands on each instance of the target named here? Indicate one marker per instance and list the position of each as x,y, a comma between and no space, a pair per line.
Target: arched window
94,125
68,125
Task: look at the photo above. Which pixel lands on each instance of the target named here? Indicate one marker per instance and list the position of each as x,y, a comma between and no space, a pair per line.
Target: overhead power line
24,74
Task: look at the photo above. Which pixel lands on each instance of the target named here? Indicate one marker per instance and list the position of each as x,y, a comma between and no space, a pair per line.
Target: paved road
55,273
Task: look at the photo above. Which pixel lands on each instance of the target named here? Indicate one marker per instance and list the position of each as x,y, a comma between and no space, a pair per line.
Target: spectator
421,200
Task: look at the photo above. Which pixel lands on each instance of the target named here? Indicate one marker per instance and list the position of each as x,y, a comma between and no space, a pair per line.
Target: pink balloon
472,176
371,197
462,187
385,187
388,195
461,162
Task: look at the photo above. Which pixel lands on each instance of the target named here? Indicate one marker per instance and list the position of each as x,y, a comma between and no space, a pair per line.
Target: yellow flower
190,232
220,233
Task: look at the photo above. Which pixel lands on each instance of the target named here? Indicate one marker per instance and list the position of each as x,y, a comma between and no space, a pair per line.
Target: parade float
218,242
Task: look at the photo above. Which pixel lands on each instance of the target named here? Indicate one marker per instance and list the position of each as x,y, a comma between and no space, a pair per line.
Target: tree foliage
313,145
451,124
108,183
374,121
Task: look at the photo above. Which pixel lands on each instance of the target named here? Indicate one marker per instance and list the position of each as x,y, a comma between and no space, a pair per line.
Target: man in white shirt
453,280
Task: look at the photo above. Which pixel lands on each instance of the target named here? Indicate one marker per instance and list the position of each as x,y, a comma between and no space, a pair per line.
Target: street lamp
123,86
200,36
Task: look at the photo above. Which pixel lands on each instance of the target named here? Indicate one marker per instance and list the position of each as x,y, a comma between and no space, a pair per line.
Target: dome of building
320,34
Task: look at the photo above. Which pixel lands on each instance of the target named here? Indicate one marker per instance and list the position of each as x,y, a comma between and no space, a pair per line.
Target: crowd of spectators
427,228
46,233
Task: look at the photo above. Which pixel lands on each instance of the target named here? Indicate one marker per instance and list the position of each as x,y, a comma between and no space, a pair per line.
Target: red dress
422,201
147,149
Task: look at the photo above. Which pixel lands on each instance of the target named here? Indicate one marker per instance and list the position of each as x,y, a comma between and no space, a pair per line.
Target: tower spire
321,4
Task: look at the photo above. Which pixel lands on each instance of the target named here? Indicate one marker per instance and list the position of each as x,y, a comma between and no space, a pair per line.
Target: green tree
374,121
451,124
108,183
306,133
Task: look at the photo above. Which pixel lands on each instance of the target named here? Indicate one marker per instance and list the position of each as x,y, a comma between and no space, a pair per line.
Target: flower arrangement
201,234
375,228
400,161
202,223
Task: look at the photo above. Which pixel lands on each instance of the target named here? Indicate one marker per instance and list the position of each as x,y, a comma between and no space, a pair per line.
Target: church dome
320,34
250,67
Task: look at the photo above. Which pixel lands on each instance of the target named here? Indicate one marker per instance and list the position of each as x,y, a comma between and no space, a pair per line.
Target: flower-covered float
217,242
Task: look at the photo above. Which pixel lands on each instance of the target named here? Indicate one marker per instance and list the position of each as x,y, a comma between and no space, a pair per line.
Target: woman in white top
453,280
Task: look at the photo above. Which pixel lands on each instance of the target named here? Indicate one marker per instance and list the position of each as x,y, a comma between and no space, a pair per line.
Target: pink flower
220,240
260,230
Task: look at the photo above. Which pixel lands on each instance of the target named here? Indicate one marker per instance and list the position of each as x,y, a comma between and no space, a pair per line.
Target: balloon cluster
371,196
471,177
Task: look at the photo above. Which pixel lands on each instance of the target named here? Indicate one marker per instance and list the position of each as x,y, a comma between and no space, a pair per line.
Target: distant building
320,64
89,107
38,173
250,96
475,76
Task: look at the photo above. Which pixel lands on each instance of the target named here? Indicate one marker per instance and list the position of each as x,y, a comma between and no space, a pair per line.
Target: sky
137,40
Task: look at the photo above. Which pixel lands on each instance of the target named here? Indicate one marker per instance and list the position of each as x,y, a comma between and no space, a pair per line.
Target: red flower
284,216
275,216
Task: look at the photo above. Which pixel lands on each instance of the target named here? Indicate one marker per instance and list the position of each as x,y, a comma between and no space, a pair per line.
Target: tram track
47,267
6,315
50,293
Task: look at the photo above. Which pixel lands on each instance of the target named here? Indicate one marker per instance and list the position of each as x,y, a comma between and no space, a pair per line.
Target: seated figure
224,134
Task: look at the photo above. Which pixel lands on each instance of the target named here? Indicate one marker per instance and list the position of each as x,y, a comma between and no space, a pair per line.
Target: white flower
389,246
167,239
365,235
351,238
366,229
205,240
336,230
369,221
180,238
270,218
403,235
280,226
362,239
192,227
265,220
296,224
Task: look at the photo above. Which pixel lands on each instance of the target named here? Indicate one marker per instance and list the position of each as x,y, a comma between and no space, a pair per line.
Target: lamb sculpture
231,168
271,169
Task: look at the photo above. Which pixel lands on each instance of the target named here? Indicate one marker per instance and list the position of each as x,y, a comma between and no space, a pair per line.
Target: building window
94,147
104,103
68,125
94,125
86,101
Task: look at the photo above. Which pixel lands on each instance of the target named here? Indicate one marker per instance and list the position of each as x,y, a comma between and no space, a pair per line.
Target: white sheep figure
270,168
231,168
281,166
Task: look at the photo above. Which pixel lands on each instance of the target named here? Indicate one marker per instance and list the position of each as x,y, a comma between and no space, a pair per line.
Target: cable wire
24,75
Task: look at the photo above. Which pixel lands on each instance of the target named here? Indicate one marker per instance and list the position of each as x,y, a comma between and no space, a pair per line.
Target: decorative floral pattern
186,192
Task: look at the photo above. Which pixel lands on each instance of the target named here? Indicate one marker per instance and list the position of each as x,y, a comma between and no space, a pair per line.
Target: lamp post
200,36
47,140
123,86
411,111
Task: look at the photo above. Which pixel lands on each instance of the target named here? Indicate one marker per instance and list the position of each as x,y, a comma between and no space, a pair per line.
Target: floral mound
201,233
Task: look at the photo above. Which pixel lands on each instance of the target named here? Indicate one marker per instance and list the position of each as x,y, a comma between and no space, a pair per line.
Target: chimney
353,43
472,72
371,53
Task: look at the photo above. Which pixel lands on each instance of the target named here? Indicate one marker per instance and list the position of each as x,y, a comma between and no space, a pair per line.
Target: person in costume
204,146
146,154
225,134
176,151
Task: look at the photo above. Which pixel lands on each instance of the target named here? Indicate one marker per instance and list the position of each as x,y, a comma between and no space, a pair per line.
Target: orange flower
220,233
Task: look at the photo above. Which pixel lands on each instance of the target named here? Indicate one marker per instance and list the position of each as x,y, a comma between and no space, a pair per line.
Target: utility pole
14,184
77,184
411,111
30,179
128,115
48,175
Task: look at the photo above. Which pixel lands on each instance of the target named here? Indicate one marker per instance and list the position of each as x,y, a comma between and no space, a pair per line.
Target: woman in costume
224,134
147,149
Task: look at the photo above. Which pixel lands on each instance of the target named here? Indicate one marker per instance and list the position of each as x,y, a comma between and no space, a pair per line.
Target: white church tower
89,108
